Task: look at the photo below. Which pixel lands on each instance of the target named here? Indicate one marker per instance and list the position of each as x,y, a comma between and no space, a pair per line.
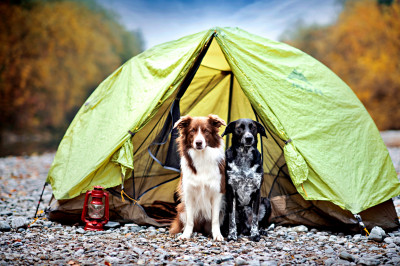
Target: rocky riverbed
43,242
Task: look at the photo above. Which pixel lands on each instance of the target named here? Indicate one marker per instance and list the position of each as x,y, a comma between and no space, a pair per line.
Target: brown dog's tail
177,225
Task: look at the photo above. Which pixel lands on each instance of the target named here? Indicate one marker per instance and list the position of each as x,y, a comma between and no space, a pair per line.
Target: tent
324,159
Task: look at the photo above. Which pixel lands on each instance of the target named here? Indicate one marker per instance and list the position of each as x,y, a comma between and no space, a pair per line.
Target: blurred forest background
54,53
363,48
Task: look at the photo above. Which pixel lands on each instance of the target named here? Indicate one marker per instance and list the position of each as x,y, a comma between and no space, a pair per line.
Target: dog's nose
199,143
248,139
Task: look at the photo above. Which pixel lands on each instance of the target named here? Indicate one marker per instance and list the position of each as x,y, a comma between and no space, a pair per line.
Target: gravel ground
44,242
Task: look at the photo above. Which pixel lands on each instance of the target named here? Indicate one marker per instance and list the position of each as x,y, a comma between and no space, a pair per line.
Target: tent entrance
213,89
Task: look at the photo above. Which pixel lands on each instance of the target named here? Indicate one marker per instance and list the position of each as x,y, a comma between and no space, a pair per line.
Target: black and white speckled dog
244,176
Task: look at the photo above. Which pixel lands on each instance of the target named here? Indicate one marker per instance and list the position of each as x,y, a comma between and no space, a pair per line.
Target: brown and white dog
202,182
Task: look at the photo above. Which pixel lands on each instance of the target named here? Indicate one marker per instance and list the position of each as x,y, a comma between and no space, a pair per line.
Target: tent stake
40,199
360,222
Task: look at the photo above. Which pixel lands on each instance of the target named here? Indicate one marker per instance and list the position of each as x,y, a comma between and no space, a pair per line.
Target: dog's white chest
245,179
202,187
207,173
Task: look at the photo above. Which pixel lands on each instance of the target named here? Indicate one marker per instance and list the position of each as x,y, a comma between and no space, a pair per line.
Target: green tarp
332,148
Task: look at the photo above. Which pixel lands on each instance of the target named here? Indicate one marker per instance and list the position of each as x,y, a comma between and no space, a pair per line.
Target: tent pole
261,140
174,112
229,106
133,184
170,118
133,170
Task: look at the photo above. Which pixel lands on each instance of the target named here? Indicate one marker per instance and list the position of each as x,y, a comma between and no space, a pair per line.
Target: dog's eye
206,131
240,128
193,130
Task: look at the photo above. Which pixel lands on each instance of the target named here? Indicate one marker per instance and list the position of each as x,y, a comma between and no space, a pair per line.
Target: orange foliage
362,48
53,54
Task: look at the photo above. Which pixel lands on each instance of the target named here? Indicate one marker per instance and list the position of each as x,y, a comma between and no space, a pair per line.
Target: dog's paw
218,237
184,236
255,238
263,232
232,237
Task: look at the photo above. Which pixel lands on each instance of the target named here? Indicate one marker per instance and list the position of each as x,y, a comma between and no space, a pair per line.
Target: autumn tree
52,55
363,48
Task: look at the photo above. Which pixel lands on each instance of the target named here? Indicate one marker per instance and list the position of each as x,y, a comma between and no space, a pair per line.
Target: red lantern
95,212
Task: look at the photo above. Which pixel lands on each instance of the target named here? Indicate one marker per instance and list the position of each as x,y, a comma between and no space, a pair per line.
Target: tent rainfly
324,159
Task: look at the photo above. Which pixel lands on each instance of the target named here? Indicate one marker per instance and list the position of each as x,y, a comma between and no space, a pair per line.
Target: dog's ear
261,129
216,121
183,122
229,129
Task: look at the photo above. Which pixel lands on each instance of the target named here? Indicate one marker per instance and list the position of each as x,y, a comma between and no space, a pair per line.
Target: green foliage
52,55
363,48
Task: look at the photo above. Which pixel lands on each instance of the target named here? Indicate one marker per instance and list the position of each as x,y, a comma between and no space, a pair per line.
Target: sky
161,21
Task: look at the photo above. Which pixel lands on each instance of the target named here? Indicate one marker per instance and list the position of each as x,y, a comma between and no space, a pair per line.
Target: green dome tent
324,159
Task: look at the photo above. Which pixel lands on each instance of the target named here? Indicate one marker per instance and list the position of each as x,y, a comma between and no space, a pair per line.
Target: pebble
80,230
377,234
4,226
330,261
227,258
388,240
19,222
396,260
48,243
300,228
329,250
369,261
79,252
346,256
111,224
356,238
240,261
269,263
